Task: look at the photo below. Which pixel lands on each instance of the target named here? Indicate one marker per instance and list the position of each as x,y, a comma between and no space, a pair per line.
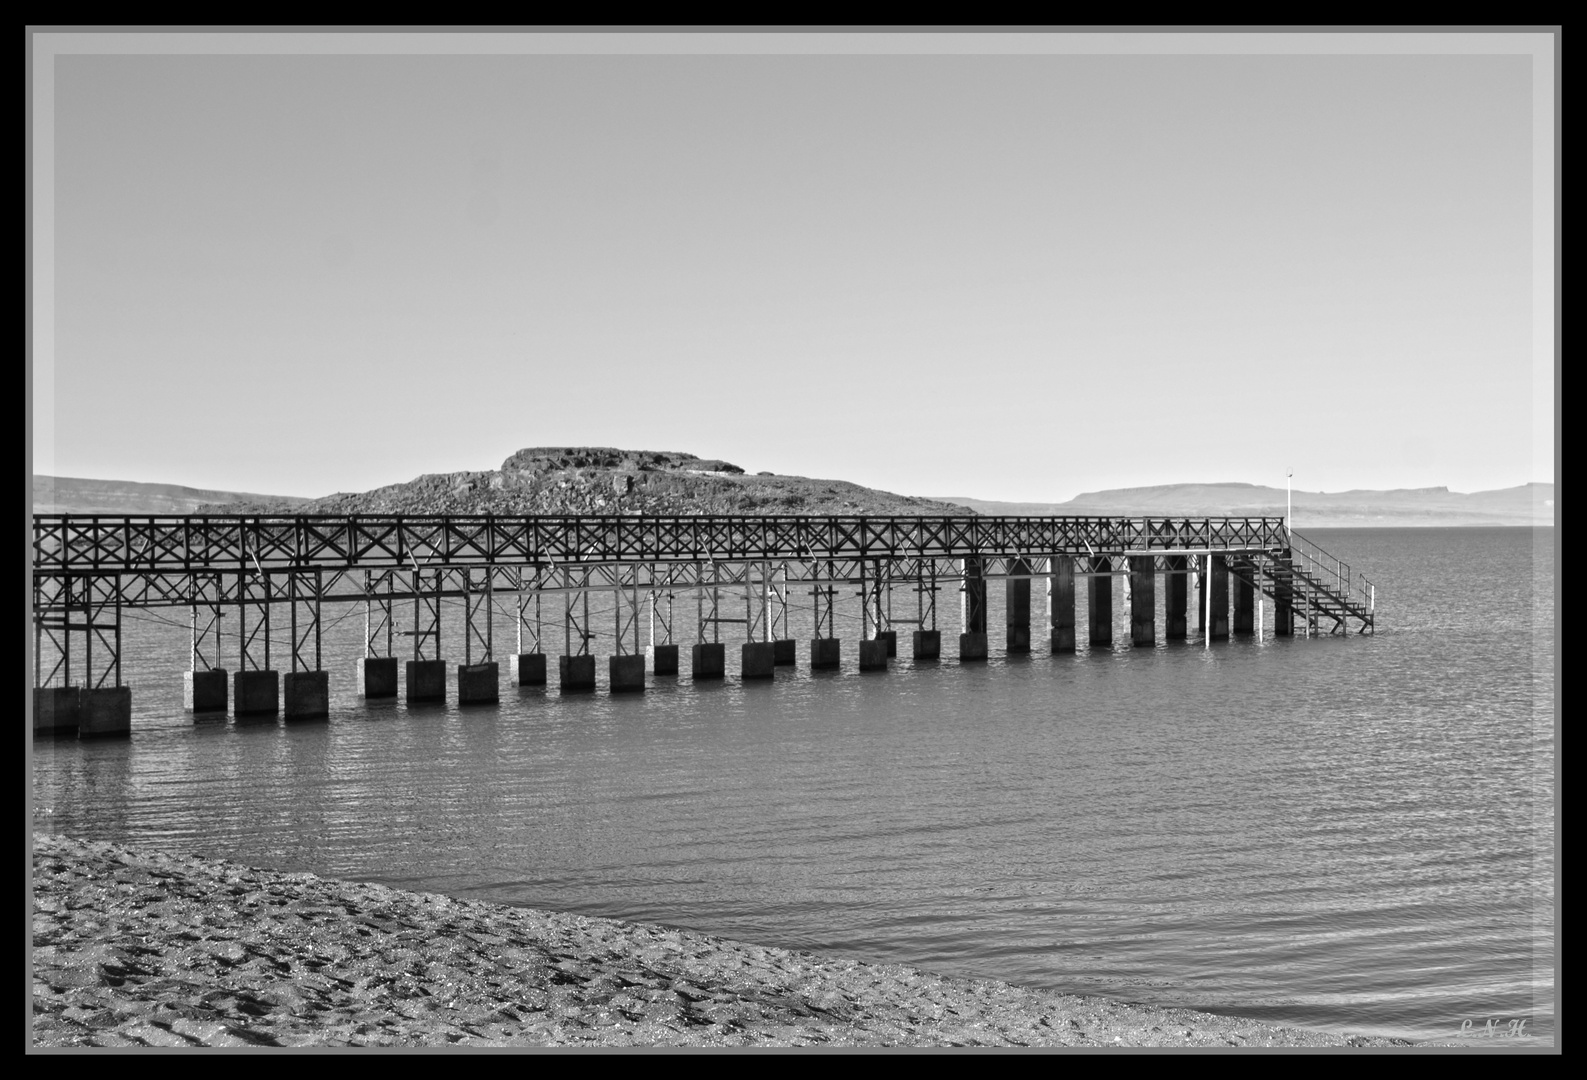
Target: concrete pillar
1099,593
377,677
972,602
1283,597
890,639
1016,602
627,673
1063,604
105,713
528,669
1143,601
873,655
307,695
575,673
479,684
1178,585
205,691
426,680
972,646
1218,582
757,660
255,693
663,659
825,653
55,711
785,651
708,660
928,644
1244,607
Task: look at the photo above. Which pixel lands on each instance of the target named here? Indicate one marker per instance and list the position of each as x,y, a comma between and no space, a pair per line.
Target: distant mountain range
603,480
71,495
1529,504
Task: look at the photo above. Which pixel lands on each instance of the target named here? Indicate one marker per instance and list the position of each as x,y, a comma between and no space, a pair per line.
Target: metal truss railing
153,545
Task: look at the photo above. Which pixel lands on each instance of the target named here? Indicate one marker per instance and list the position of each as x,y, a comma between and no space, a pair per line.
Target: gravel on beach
135,948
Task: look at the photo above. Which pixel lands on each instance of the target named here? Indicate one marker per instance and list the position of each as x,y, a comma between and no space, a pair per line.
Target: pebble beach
140,948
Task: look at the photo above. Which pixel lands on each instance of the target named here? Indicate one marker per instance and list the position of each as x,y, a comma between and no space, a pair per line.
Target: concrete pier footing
256,693
1063,604
1219,583
1177,586
972,646
377,677
205,691
55,711
1143,601
708,660
890,638
426,680
757,660
785,652
663,659
825,653
873,654
575,673
528,669
306,695
479,684
104,713
626,673
928,644
1099,594
1016,607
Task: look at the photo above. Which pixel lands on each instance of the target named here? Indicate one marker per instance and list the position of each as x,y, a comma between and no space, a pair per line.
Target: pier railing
101,544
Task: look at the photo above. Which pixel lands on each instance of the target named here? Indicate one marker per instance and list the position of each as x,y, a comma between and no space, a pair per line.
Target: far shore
138,948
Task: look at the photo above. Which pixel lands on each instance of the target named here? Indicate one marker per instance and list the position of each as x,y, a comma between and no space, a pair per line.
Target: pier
742,574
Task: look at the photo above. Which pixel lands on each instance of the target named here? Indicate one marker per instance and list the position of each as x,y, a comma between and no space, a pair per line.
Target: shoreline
134,947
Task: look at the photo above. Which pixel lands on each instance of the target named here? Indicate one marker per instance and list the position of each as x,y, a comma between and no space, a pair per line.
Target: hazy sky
1014,266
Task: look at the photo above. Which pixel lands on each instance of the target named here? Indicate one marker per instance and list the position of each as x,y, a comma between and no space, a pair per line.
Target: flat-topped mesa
560,480
543,459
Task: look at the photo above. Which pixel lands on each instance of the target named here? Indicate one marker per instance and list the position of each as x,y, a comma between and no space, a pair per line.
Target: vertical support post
1244,607
1100,600
306,689
1206,604
1175,614
1284,595
749,605
1219,598
1016,600
1061,603
972,611
376,671
865,605
1143,600
204,684
617,613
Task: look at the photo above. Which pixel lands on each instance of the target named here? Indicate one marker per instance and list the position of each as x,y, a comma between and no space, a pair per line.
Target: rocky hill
606,480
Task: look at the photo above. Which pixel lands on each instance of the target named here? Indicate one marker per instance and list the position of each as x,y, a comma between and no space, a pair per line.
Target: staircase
1318,586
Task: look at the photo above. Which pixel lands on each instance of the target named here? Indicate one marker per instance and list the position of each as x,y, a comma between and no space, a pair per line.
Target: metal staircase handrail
1332,567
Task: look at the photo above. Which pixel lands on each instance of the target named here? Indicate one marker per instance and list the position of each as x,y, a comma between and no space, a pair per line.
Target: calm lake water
1353,834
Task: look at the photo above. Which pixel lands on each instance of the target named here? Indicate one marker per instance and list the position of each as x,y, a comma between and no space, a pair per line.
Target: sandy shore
136,947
